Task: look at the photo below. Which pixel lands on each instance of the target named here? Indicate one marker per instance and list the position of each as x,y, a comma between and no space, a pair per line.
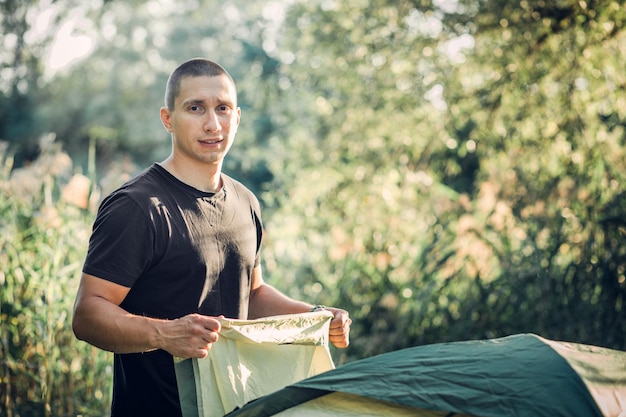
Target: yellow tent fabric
341,404
599,368
253,358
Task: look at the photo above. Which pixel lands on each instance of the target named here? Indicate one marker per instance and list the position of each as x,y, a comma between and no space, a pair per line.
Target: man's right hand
190,336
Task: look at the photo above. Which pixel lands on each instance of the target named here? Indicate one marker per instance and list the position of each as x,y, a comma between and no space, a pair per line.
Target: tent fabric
520,375
253,358
339,404
599,368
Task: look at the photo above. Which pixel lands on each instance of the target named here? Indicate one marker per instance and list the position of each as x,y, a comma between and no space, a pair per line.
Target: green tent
520,375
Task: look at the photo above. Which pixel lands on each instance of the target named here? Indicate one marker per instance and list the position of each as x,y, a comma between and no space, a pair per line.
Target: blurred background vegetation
443,169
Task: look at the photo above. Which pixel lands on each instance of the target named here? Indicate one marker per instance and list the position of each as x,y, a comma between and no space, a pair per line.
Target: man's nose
212,122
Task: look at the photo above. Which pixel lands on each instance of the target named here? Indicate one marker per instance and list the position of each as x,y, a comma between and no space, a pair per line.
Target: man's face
204,120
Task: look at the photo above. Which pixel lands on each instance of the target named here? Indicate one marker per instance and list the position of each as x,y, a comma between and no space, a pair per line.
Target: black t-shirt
180,251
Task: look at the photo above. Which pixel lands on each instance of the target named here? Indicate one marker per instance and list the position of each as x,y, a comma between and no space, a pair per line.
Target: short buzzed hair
196,67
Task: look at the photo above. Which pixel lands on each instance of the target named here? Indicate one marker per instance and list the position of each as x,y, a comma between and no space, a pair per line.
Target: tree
442,189
20,70
543,102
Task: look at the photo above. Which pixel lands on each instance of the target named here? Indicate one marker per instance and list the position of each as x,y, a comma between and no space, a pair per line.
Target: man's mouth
211,141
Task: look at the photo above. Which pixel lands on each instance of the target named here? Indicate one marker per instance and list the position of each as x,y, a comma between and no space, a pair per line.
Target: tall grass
44,370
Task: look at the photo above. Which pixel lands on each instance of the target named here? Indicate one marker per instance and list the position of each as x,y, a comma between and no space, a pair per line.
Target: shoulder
145,183
132,195
241,191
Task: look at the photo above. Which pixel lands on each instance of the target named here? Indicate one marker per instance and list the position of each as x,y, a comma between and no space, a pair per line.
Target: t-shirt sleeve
121,244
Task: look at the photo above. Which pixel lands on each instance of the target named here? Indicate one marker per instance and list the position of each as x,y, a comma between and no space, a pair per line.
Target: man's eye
223,109
195,108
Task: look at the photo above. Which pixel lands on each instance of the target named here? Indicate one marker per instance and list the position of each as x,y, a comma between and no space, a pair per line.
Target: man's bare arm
266,301
99,320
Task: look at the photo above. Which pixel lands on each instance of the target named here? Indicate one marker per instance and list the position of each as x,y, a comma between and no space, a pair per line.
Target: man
176,247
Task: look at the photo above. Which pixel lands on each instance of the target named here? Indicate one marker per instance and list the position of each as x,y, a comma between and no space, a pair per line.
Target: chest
207,230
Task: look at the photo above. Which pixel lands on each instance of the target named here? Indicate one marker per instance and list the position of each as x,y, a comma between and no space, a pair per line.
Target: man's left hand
339,333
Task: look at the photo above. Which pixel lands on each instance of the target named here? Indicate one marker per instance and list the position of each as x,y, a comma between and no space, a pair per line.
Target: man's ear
166,118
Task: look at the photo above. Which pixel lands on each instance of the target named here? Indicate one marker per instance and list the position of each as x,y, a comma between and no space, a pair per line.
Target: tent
520,375
253,358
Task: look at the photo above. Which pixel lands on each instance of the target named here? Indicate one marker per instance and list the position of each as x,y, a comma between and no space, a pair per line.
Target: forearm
109,327
267,301
99,320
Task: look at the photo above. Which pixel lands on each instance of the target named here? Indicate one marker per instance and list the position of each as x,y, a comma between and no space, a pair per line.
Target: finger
202,353
340,331
340,341
214,337
340,315
211,324
340,337
341,326
209,335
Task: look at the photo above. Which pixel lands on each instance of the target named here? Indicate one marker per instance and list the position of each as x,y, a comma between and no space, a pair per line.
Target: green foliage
44,369
19,71
537,91
460,170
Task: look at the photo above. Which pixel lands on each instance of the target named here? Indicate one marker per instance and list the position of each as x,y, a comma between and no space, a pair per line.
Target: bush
43,239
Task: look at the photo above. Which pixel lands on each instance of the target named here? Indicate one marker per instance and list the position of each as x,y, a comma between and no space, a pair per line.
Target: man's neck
206,178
